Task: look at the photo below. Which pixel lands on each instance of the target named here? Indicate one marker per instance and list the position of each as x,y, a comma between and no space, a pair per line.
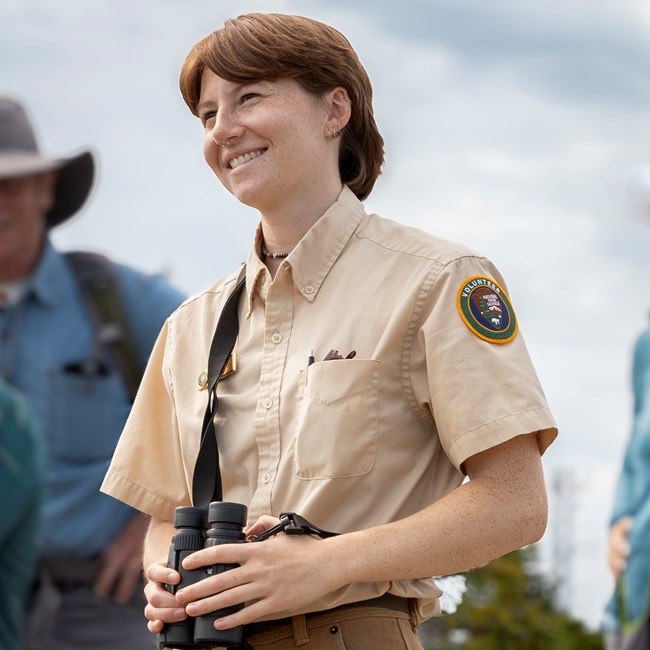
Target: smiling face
278,153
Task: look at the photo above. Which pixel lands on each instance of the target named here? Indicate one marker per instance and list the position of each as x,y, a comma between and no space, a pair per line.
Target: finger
217,602
222,554
105,580
164,614
216,584
155,626
127,584
618,567
159,597
263,523
621,549
251,612
162,574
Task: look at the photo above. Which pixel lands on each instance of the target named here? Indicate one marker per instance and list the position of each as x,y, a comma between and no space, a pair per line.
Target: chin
252,198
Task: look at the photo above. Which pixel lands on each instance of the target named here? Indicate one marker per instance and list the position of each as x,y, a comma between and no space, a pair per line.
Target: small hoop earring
334,132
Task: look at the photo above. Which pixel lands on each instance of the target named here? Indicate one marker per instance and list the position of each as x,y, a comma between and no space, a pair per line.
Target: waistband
386,601
70,573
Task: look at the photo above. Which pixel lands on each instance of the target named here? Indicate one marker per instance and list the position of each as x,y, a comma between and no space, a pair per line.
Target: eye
207,118
247,97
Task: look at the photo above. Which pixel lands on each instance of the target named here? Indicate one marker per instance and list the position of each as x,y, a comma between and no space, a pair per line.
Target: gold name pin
231,367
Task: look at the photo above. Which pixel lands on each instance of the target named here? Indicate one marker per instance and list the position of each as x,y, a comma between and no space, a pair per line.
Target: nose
225,129
222,145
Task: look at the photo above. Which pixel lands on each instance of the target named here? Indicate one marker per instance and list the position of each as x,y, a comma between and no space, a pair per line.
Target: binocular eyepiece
195,529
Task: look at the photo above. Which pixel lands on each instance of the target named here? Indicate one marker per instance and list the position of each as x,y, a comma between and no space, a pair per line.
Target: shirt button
266,477
276,338
309,289
267,403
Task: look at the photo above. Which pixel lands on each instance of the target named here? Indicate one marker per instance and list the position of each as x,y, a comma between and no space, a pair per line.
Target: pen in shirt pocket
333,355
310,361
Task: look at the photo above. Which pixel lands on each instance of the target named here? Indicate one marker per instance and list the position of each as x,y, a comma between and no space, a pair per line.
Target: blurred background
520,129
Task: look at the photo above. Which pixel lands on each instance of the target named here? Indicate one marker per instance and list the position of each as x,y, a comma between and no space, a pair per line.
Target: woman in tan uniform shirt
420,376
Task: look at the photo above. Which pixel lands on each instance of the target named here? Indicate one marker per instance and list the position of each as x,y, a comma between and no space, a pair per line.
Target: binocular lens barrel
226,522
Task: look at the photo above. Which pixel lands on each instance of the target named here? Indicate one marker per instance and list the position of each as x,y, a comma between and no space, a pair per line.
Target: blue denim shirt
43,342
21,483
632,498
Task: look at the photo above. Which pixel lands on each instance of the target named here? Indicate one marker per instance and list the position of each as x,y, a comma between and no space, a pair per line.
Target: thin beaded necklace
275,256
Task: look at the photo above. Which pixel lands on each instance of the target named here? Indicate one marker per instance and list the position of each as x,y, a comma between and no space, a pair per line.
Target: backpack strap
97,279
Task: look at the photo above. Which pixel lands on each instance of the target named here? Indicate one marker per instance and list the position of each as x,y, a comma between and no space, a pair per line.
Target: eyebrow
237,87
205,104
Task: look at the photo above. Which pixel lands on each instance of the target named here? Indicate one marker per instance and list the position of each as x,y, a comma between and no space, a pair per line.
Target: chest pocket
338,419
86,414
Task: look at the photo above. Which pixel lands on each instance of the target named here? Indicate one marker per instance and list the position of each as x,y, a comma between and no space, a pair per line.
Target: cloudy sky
512,127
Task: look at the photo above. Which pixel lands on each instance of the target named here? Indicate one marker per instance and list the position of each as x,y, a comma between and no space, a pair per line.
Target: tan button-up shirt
347,443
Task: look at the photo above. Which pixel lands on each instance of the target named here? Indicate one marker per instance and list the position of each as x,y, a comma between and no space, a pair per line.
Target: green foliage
508,607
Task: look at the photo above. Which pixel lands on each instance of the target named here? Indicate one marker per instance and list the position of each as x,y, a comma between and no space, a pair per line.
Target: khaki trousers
349,628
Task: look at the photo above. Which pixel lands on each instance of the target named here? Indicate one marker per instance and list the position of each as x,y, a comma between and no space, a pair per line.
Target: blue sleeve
635,475
149,300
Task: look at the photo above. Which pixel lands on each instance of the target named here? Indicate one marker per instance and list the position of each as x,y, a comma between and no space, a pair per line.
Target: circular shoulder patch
485,308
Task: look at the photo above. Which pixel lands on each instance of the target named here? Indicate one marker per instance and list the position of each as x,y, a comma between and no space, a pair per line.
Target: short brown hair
257,47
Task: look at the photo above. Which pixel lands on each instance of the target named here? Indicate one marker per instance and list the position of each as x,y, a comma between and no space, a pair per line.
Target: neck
282,229
14,268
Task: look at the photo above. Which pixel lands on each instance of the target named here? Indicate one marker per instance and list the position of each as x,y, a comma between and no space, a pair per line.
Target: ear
339,109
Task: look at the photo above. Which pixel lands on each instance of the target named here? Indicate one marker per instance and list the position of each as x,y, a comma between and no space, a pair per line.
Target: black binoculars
224,524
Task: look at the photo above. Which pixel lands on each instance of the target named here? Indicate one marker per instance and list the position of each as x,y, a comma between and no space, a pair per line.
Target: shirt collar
315,254
11,293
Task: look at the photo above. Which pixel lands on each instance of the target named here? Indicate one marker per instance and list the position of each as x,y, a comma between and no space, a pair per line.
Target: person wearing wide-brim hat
54,354
49,190
20,157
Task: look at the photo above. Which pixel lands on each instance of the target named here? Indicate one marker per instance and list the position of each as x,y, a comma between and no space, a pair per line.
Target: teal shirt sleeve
21,485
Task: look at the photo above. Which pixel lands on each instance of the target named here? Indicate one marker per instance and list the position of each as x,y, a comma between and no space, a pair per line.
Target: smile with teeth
240,160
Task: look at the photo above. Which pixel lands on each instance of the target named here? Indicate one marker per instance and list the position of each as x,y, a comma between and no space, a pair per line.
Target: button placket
278,314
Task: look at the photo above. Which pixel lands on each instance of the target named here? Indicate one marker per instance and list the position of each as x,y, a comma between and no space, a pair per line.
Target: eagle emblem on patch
486,310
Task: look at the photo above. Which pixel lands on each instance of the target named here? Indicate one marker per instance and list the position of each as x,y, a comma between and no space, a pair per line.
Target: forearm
501,509
157,540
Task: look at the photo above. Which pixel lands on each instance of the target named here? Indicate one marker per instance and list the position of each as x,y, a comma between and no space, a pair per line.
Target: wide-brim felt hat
20,156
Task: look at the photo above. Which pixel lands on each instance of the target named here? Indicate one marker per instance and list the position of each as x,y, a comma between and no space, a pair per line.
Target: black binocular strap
206,482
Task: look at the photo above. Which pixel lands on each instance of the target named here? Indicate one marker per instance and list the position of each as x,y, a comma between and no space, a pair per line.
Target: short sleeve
147,470
483,388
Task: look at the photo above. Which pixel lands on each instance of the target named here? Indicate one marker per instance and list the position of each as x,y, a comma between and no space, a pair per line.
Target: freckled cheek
211,155
210,152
